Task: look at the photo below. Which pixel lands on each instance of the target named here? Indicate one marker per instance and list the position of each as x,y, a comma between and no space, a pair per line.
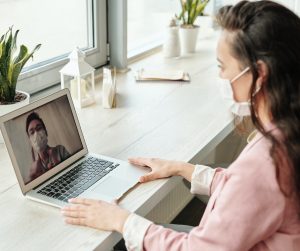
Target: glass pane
147,20
59,25
288,3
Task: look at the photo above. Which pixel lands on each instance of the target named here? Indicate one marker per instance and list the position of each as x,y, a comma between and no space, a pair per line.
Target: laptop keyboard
78,179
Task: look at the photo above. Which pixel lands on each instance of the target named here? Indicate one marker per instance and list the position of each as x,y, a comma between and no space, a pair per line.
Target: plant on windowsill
10,68
190,10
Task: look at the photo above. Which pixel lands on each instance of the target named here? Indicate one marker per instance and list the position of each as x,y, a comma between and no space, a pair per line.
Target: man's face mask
240,109
39,140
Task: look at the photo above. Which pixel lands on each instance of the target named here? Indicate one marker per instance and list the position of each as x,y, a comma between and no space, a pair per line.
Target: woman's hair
34,116
270,32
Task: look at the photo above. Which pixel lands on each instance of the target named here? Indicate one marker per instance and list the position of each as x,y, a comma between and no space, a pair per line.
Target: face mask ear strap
240,74
257,89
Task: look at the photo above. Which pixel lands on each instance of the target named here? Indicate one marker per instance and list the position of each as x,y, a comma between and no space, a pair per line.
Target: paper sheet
172,75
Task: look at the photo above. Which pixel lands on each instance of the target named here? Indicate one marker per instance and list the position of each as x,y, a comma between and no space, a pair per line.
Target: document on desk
161,75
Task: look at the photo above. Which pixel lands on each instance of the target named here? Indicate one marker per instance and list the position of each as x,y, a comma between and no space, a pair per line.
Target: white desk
168,120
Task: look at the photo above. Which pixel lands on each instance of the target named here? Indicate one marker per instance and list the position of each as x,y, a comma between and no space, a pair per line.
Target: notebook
161,75
51,159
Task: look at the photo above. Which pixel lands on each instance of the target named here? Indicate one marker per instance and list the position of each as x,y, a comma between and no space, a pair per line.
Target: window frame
46,74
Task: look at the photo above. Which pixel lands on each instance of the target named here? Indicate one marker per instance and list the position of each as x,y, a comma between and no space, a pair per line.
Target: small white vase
188,39
4,109
172,43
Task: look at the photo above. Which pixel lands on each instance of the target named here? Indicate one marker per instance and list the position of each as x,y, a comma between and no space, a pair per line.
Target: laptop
51,159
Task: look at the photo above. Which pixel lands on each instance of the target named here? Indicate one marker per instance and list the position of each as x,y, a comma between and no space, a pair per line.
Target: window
60,26
147,21
292,4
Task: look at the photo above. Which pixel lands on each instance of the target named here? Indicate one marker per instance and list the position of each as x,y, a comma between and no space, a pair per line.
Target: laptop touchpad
112,186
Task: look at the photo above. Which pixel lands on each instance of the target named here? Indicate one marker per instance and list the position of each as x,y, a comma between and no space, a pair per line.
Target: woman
254,204
44,157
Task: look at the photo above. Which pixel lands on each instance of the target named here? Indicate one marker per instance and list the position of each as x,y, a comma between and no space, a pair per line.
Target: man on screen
44,157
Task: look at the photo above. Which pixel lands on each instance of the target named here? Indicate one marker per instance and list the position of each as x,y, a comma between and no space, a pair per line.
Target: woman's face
230,67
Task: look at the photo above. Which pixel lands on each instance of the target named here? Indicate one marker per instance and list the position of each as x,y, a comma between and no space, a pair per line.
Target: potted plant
191,9
11,64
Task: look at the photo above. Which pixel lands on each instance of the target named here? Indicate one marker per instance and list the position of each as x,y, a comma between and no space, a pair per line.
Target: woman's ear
263,72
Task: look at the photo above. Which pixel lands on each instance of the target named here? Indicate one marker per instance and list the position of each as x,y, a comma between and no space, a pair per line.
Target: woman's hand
95,214
161,168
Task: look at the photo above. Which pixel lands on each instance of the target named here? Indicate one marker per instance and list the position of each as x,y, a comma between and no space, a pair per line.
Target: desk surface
167,120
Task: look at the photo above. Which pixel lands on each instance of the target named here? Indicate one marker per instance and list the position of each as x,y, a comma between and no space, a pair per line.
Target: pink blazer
246,211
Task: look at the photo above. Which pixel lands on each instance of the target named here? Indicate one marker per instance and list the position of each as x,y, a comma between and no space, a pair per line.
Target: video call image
43,138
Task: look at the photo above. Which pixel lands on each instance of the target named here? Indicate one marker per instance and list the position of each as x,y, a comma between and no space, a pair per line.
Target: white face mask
240,109
39,140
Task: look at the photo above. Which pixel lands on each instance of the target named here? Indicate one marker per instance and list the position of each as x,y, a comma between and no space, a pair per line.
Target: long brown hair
270,32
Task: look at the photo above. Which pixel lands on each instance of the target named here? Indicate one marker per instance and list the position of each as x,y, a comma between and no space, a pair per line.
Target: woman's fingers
82,201
73,213
75,221
78,209
137,161
74,207
148,177
141,161
95,213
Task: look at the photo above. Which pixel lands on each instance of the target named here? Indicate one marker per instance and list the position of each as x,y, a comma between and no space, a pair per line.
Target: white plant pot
188,39
4,109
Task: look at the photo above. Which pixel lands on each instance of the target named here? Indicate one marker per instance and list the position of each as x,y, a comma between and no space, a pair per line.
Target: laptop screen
43,138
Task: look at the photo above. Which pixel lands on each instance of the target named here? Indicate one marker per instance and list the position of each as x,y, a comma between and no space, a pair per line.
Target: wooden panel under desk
167,120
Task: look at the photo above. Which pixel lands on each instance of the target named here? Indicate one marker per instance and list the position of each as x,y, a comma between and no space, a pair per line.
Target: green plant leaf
22,53
2,37
199,9
14,43
20,62
6,92
193,11
7,52
2,59
1,48
14,65
13,47
188,4
189,9
182,14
